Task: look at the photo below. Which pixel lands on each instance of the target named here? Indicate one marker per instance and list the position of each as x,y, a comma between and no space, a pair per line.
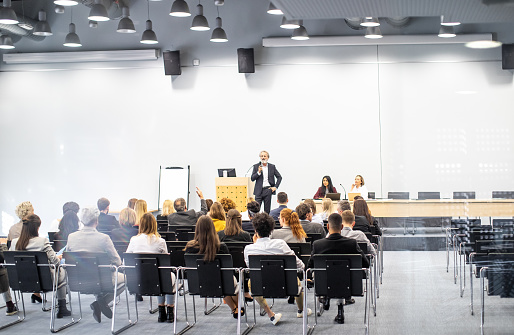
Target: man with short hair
253,209
343,205
282,203
185,217
264,175
263,245
305,215
335,243
88,239
106,223
347,231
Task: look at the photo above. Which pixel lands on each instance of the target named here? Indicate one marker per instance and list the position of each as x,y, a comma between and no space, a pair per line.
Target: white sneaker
300,314
275,318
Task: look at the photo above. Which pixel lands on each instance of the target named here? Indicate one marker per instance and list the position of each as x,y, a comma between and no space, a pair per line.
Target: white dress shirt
144,245
359,236
267,246
363,190
265,181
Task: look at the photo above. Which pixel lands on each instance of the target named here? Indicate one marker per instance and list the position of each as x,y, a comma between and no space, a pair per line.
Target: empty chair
464,195
503,194
371,195
398,195
429,195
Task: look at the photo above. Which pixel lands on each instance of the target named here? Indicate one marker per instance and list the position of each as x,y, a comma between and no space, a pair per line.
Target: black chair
91,273
30,272
162,226
215,280
503,194
311,237
302,251
371,195
121,247
168,236
237,251
398,195
176,251
464,195
429,195
182,231
341,277
51,235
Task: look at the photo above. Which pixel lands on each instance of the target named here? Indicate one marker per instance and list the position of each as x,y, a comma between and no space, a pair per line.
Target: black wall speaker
172,63
508,56
245,60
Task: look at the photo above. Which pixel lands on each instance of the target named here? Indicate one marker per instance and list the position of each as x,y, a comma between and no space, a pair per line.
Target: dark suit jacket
106,223
275,213
272,173
337,244
362,224
124,233
187,217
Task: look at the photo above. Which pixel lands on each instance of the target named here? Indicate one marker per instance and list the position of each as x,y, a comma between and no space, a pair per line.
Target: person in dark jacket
106,223
128,226
182,216
233,231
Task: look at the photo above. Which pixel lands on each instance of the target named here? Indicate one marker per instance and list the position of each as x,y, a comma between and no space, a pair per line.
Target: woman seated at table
217,214
148,241
358,187
326,187
206,242
363,218
128,226
292,230
233,231
29,240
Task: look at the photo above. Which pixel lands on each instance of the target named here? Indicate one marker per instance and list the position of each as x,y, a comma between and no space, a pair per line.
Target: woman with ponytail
292,230
29,240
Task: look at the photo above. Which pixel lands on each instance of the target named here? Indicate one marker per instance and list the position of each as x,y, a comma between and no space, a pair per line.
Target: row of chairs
456,195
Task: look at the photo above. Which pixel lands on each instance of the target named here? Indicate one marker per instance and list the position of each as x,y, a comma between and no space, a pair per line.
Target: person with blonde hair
140,209
233,231
131,203
217,214
148,241
292,230
128,226
22,211
326,206
167,209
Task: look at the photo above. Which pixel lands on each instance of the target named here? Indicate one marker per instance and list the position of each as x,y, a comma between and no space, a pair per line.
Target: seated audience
227,204
233,231
88,239
206,242
363,219
217,214
141,209
182,216
334,243
343,205
252,208
69,222
291,231
132,203
244,215
264,225
106,223
209,203
22,211
326,187
167,209
128,226
326,206
282,203
29,240
348,222
4,285
316,218
148,241
305,215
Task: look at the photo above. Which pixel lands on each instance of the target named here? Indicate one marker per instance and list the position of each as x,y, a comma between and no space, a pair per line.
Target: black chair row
456,195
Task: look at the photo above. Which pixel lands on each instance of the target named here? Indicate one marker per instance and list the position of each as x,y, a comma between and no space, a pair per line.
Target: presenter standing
264,175
358,187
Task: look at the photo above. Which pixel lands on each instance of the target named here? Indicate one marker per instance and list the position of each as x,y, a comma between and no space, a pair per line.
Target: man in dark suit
106,223
282,203
264,175
184,216
335,243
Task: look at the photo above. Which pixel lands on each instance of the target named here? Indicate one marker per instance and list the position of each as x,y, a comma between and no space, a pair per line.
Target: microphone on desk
344,192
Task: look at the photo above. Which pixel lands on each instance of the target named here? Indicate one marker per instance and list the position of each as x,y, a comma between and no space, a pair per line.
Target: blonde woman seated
148,241
292,230
141,209
233,230
167,209
217,214
128,226
326,206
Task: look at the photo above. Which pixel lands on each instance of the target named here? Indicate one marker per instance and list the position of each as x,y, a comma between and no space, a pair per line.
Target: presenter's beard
264,161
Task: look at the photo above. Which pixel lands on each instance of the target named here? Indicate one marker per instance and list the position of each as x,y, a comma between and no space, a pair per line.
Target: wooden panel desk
437,208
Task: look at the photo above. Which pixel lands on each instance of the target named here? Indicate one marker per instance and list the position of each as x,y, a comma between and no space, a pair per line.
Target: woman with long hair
29,240
233,231
150,242
217,214
358,187
128,226
326,207
326,187
140,209
167,209
363,219
206,242
292,230
69,224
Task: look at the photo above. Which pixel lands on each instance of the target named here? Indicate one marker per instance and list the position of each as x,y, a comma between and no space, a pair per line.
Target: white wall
83,133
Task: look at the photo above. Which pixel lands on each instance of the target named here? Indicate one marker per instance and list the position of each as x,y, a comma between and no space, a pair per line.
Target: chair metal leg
367,303
188,324
213,308
241,302
308,329
130,322
20,319
152,310
482,298
471,280
54,299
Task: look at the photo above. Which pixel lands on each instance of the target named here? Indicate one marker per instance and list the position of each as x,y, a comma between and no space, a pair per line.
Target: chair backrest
273,276
500,274
176,251
210,279
429,195
371,238
464,195
51,236
503,194
58,244
364,247
168,236
121,247
398,195
148,277
302,251
502,223
494,246
162,226
237,251
30,272
338,276
311,237
88,272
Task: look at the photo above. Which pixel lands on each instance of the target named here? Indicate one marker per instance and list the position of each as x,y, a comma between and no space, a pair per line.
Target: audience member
292,231
182,216
88,239
233,231
252,208
29,240
22,211
206,242
227,204
141,209
209,203
335,243
106,223
363,219
167,209
148,241
217,214
348,222
4,285
264,225
305,215
282,203
326,206
316,218
343,205
128,226
68,224
131,203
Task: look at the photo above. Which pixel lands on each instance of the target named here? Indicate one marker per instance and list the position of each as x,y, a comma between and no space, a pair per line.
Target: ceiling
246,22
